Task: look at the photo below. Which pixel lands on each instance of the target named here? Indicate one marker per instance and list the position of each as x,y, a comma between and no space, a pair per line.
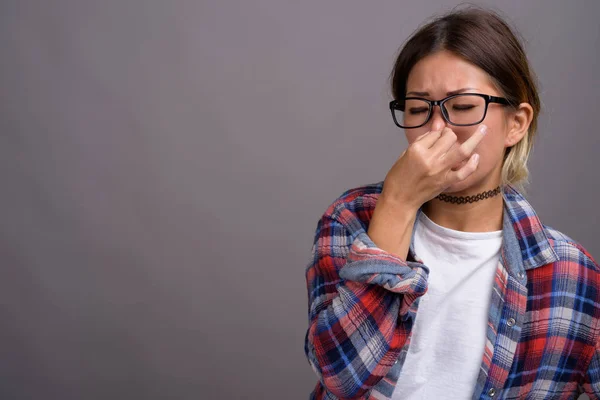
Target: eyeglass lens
460,110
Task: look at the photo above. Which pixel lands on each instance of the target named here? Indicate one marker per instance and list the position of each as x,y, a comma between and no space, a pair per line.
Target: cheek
491,148
494,141
497,136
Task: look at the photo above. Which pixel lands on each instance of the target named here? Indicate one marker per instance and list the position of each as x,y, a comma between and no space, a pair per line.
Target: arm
391,226
357,295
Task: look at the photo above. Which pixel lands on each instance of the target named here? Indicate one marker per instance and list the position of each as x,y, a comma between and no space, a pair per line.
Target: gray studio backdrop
164,165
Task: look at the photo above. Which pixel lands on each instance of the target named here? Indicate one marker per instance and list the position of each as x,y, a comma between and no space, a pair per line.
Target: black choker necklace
468,199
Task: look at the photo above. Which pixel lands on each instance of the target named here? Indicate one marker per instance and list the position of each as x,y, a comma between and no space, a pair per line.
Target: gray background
164,166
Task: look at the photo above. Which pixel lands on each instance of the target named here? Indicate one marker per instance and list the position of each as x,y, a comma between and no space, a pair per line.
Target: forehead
443,72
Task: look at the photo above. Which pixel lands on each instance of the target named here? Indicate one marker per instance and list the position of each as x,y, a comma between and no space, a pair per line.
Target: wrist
391,226
395,208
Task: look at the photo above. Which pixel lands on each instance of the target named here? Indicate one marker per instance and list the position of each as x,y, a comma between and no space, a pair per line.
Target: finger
461,163
422,136
465,150
463,173
446,142
428,139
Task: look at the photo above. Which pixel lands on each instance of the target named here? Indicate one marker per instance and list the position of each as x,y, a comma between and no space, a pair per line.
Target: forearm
357,292
391,226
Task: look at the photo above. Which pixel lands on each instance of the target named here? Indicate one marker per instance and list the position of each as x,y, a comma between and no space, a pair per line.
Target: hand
431,164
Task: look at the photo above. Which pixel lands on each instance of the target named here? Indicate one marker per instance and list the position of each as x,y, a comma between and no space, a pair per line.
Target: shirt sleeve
591,385
359,300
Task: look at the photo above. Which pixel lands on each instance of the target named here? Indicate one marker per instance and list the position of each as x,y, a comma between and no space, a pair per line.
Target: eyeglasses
462,109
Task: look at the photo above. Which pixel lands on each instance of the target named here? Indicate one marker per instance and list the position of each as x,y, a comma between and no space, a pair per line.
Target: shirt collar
527,231
526,243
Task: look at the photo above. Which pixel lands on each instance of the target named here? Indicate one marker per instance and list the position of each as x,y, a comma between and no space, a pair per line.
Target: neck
480,216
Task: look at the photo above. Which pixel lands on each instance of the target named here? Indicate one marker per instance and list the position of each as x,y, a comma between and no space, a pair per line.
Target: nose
437,120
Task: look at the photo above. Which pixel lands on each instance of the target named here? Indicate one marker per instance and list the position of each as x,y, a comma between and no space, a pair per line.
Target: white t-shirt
449,333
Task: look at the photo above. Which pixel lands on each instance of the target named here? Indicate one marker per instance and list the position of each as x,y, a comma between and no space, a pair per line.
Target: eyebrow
448,93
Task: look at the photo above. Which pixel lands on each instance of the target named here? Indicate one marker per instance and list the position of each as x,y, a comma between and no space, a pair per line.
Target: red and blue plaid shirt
544,320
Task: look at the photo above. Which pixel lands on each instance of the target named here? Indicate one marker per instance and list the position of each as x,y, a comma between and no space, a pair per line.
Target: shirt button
492,392
510,322
521,275
395,362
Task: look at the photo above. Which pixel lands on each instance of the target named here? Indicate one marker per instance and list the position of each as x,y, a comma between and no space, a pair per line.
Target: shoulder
345,218
567,249
354,207
355,200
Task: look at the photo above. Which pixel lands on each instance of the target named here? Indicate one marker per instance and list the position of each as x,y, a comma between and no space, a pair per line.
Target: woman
441,281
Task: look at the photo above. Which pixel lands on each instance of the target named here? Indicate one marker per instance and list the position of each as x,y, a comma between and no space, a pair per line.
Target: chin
479,181
463,188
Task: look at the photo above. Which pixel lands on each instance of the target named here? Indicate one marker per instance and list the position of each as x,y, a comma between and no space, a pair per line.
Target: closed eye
463,107
418,110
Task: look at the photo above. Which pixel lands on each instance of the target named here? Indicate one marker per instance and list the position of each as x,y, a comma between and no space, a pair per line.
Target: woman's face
443,72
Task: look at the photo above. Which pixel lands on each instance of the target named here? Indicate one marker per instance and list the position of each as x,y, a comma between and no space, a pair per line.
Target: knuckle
463,152
430,173
429,162
415,149
459,176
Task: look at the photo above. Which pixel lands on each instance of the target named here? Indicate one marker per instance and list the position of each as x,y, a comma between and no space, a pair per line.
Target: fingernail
483,129
476,157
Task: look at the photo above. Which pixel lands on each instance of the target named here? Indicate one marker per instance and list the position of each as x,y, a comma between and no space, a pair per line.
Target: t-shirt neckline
442,230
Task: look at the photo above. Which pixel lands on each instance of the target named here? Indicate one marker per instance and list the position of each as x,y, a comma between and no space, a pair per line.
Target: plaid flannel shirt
544,320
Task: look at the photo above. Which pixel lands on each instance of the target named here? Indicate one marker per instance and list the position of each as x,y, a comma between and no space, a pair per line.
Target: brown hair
484,39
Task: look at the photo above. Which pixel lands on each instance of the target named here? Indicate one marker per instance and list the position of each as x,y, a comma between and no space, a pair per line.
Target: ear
518,124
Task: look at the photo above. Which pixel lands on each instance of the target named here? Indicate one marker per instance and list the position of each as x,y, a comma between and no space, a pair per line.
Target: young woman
441,281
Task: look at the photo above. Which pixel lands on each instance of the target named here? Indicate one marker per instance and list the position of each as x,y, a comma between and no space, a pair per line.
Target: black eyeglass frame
400,105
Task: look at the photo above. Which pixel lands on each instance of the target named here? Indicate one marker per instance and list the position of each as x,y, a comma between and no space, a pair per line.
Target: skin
442,158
